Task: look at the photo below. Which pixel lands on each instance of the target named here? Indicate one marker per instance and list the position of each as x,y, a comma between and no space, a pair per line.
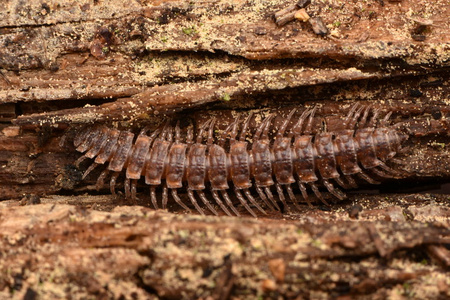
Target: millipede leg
353,121
304,193
154,133
398,161
336,192
297,128
390,170
234,129
79,161
271,198
265,133
253,201
228,201
349,115
308,128
243,202
221,140
341,182
133,190
363,120
292,197
63,140
285,123
244,128
126,187
153,197
367,178
202,130
177,132
351,181
264,198
89,170
403,150
281,195
178,200
261,127
210,138
373,120
385,120
112,183
380,173
317,193
165,197
170,134
217,198
189,137
101,179
206,202
165,130
192,198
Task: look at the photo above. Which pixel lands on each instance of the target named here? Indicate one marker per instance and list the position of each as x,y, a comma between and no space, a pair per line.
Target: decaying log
130,64
139,55
134,252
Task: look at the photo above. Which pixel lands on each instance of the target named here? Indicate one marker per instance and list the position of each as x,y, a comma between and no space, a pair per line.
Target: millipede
274,159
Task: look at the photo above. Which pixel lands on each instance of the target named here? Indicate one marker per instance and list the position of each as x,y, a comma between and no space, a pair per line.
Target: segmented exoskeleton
361,147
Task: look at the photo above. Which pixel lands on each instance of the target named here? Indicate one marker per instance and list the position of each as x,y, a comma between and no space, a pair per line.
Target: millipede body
291,155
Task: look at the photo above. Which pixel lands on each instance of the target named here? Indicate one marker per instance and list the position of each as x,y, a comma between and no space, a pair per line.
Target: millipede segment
359,149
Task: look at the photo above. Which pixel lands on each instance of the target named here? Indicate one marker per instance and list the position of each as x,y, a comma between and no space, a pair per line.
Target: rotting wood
176,97
135,251
237,39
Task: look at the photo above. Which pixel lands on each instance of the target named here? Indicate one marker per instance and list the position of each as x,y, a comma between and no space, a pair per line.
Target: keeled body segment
359,150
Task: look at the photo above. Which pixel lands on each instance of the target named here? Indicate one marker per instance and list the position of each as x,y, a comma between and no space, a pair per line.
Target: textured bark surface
131,64
59,251
156,56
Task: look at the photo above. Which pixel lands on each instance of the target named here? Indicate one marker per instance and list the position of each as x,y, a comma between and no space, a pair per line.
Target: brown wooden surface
155,56
389,248
135,63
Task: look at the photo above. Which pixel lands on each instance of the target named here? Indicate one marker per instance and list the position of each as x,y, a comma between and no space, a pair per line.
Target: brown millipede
360,148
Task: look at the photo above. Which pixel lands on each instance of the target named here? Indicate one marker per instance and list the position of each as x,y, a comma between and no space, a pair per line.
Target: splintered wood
134,252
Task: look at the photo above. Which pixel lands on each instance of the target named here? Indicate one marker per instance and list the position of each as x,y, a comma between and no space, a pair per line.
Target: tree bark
58,251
